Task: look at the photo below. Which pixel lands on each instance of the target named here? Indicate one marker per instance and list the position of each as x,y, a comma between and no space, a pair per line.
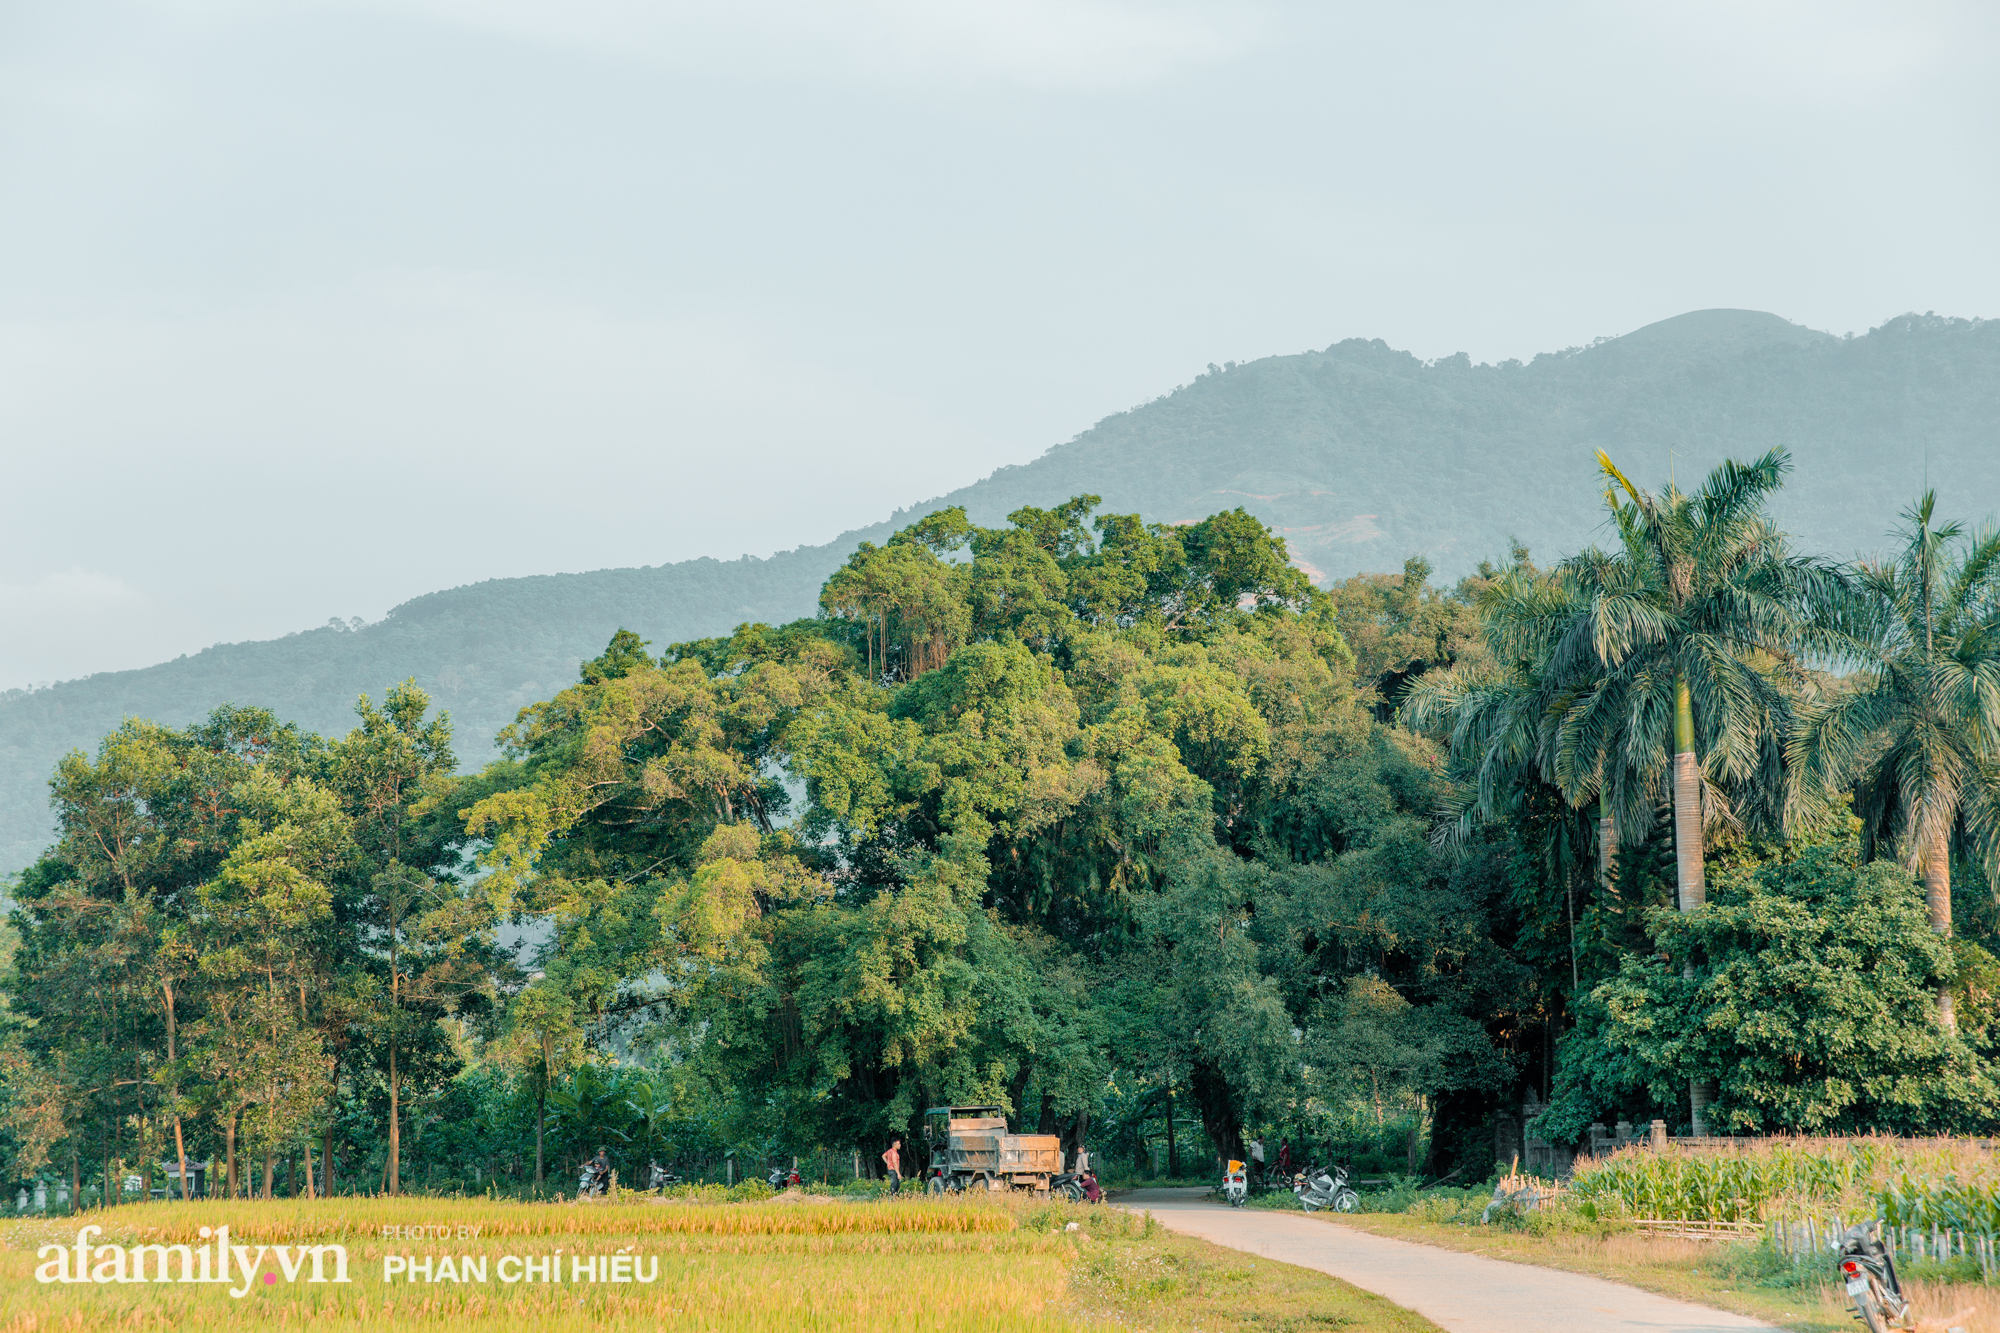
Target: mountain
1359,454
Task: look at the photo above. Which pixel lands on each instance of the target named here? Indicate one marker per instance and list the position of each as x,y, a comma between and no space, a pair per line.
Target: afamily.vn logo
220,1262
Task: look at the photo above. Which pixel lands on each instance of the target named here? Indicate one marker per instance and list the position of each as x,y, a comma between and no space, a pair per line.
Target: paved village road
1461,1293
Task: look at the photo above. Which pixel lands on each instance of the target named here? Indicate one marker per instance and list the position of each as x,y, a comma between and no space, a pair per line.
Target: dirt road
1462,1293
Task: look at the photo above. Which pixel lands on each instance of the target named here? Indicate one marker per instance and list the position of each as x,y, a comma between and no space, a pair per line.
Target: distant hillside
1359,454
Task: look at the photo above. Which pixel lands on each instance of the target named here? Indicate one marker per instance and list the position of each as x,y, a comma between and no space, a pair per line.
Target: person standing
1285,1159
1257,1160
893,1159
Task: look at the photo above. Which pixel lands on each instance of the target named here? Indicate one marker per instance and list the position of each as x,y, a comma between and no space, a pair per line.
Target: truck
971,1149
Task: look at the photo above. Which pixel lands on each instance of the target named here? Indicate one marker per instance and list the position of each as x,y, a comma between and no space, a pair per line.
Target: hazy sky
310,306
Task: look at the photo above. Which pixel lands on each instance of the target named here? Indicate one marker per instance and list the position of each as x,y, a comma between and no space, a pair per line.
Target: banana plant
648,1112
588,1112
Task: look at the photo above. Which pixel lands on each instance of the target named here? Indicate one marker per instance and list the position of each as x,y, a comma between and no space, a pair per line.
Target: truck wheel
935,1186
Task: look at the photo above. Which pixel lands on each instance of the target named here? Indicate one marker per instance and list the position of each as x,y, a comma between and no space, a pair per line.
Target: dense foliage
1357,453
1124,827
1084,816
1810,1005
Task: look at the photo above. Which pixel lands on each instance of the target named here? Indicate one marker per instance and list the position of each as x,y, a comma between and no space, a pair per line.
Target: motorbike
783,1178
1317,1189
1236,1184
659,1178
592,1182
1072,1186
1869,1271
940,1183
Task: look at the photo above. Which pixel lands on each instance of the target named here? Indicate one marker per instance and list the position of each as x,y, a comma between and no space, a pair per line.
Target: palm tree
1494,714
1680,663
1500,718
1921,736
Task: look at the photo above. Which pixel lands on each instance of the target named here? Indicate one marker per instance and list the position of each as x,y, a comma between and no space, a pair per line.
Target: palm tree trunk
1687,804
1607,846
1688,861
1937,896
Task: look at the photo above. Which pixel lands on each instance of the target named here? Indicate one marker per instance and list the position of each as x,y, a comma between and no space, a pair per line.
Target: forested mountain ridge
1358,455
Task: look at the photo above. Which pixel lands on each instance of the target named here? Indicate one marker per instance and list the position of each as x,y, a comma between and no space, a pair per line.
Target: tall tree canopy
1124,827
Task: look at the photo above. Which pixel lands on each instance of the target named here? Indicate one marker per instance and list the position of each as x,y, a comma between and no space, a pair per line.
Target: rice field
475,1264
798,1263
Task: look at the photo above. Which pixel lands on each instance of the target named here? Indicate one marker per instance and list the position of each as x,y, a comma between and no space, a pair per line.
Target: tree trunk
1937,897
306,1145
1173,1151
1688,860
1687,806
326,1157
541,1118
180,1142
270,1172
1607,847
229,1153
180,1151
395,1127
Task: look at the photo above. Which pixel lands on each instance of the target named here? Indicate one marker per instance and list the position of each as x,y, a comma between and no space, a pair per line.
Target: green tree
428,938
1919,729
105,965
266,944
1809,1006
1685,653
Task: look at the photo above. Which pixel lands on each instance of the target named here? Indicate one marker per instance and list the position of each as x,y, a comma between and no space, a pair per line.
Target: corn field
1941,1186
1690,1187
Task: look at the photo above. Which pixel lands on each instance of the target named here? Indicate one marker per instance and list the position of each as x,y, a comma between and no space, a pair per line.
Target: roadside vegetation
1778,1206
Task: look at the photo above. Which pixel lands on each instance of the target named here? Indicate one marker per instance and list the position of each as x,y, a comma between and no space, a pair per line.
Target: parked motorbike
783,1178
1317,1189
592,1182
1870,1273
1236,1184
659,1178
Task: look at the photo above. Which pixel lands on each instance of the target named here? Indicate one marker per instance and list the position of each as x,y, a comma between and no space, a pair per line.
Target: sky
311,306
